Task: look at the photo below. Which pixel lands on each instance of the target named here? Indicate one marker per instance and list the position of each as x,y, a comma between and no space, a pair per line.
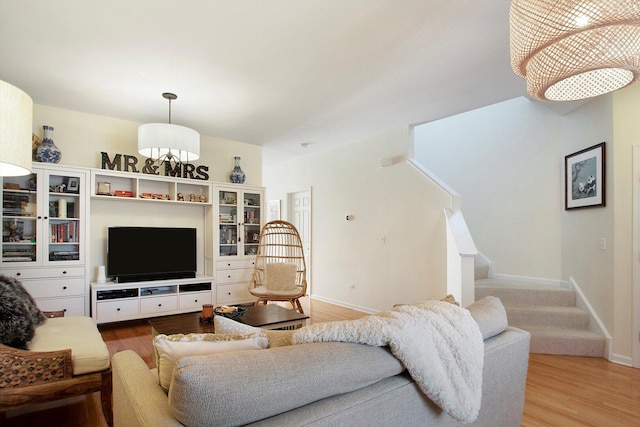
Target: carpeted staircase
549,312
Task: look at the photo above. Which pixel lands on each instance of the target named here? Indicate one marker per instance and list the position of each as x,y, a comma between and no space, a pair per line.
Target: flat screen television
151,253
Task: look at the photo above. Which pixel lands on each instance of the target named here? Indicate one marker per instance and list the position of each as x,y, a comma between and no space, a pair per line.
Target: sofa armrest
23,368
138,399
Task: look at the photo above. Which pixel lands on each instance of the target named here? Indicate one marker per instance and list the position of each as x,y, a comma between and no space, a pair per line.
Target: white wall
504,160
582,229
82,137
626,133
393,202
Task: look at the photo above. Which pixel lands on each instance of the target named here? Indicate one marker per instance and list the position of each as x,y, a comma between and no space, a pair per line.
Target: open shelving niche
149,188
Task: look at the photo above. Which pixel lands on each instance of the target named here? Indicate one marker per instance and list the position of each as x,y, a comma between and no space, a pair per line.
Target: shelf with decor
142,187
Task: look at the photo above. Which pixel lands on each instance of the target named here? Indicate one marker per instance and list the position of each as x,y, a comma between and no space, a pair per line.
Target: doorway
299,214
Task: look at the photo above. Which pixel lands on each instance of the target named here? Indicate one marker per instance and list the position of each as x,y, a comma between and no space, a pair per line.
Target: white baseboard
595,320
343,304
621,360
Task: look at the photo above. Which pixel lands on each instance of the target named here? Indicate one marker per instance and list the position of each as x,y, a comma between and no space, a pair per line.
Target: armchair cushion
89,353
281,276
19,314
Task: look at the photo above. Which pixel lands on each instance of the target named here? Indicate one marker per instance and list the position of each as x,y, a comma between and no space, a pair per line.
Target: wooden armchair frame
31,377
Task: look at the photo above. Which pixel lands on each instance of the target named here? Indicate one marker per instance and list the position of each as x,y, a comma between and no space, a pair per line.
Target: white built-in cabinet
115,302
45,225
45,235
238,217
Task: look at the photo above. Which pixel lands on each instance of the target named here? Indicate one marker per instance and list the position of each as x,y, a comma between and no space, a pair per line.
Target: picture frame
273,212
584,178
73,185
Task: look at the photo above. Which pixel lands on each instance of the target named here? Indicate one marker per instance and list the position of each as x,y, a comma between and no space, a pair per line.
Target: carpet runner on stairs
549,313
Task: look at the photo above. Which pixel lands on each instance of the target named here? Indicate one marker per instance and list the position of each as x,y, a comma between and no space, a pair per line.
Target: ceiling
282,74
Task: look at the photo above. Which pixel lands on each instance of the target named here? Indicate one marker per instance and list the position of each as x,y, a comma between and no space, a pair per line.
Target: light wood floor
561,390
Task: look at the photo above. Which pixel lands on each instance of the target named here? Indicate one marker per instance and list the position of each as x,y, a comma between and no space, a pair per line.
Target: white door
300,215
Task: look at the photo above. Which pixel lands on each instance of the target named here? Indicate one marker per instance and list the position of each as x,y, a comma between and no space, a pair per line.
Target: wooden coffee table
270,316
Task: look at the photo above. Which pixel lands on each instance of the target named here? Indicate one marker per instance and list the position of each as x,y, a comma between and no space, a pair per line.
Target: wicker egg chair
280,272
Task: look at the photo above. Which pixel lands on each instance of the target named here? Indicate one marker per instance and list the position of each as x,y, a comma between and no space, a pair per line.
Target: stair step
521,294
533,315
565,341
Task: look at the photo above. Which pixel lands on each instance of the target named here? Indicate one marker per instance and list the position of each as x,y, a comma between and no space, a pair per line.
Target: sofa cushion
168,349
19,314
89,353
490,315
210,390
222,325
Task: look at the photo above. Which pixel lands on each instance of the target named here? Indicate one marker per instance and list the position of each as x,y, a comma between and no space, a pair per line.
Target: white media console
114,302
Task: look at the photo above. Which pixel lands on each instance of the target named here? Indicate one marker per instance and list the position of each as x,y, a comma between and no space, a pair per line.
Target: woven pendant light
575,49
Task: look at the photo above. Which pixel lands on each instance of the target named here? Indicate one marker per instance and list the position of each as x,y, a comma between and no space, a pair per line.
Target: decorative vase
237,176
47,152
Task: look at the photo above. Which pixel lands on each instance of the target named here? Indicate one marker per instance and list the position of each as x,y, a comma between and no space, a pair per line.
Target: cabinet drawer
233,276
41,273
112,311
40,288
242,263
152,305
233,294
71,306
194,300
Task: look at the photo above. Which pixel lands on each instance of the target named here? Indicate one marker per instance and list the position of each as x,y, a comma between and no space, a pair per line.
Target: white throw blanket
439,343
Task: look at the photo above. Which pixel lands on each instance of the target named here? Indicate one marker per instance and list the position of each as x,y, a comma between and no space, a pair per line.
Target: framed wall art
274,210
584,174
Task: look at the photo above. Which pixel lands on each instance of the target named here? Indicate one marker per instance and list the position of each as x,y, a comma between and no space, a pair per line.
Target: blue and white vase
47,152
237,176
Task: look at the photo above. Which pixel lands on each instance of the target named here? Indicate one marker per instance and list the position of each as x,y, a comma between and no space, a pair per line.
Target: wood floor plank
563,391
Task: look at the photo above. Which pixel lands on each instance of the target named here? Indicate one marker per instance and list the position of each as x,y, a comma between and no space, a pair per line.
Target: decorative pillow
167,349
490,315
281,276
19,314
276,338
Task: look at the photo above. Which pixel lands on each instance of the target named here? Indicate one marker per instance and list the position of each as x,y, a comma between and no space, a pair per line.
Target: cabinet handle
64,288
195,301
159,305
229,277
39,217
64,272
18,273
228,264
64,309
117,309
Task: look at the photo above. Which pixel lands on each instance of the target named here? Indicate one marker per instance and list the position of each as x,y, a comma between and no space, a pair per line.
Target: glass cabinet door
20,219
63,210
228,223
251,223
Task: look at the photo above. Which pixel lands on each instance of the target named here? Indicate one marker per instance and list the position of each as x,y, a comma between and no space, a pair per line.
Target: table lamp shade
16,118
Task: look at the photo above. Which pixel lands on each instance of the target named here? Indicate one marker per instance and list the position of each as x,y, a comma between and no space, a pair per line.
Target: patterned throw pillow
167,349
222,325
19,314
